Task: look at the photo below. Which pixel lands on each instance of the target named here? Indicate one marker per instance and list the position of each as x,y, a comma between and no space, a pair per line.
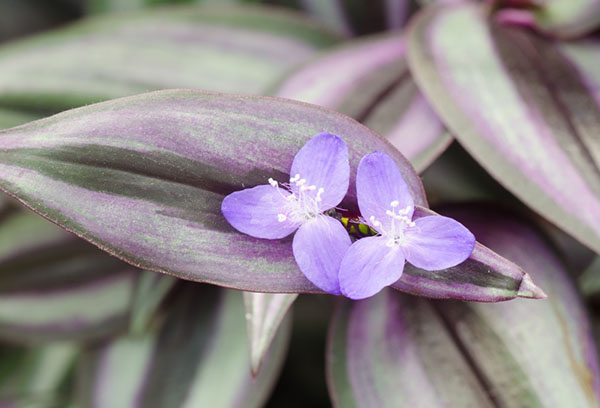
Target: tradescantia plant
153,244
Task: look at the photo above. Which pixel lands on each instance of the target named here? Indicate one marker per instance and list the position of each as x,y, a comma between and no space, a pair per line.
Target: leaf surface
227,49
394,350
198,357
264,313
54,286
519,106
143,178
368,79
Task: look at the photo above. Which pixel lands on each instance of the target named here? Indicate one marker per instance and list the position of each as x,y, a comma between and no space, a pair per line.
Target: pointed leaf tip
530,290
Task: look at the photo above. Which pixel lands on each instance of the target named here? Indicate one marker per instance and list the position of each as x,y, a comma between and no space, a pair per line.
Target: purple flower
320,176
430,243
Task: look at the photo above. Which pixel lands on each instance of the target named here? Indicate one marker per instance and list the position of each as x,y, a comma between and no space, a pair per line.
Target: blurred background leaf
518,105
198,356
369,80
393,350
174,47
36,377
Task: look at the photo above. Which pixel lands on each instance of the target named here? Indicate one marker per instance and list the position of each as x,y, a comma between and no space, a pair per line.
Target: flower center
394,230
303,202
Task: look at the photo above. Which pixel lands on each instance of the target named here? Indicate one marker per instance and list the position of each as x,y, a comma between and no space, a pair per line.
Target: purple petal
323,163
255,211
319,246
378,184
369,266
437,243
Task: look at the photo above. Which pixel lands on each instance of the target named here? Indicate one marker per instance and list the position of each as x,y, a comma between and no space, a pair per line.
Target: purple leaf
431,243
369,80
519,106
395,350
264,315
228,49
484,277
198,357
143,178
556,18
54,286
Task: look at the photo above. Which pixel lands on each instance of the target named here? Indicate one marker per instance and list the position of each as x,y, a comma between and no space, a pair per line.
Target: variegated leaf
264,314
229,49
393,350
143,178
519,106
198,358
369,80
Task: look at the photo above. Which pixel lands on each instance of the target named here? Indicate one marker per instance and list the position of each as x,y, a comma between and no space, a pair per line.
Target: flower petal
319,246
323,163
378,184
254,211
437,243
369,266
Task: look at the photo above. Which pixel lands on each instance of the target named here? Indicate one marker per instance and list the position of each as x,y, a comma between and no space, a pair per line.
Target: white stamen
301,202
394,204
319,192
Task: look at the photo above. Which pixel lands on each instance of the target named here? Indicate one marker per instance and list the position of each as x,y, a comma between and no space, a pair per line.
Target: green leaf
264,314
33,378
520,106
227,49
54,286
368,79
143,178
394,350
198,358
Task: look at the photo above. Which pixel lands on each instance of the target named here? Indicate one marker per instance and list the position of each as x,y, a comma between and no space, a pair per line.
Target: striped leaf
484,277
151,291
198,358
393,350
264,314
519,106
54,286
230,49
556,18
143,178
369,80
34,378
